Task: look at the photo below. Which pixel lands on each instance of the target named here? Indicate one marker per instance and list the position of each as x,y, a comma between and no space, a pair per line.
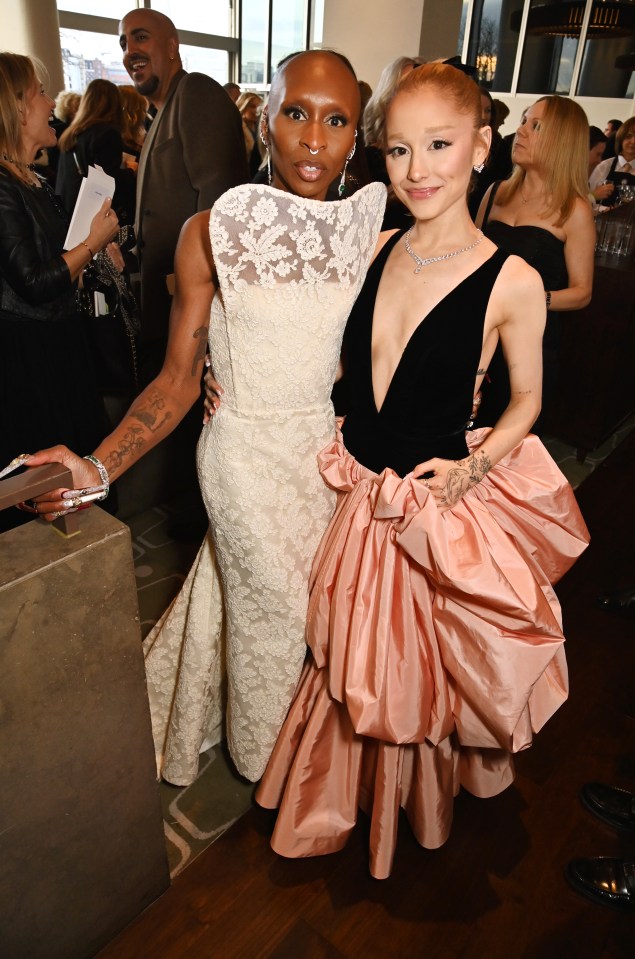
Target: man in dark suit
194,152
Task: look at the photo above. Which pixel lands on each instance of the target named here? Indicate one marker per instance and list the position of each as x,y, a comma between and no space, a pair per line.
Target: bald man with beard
193,153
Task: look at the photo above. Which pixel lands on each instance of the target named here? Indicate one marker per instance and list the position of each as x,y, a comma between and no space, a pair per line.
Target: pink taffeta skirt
436,651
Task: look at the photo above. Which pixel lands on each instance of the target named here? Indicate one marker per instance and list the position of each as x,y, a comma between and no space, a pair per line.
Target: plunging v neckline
378,409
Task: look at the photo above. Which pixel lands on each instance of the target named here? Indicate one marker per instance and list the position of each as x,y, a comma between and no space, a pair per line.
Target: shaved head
158,20
319,62
150,45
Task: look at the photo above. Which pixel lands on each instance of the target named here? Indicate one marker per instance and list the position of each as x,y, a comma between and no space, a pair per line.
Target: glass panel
254,30
214,17
549,53
87,56
598,76
215,63
288,28
211,17
494,41
459,44
97,8
317,8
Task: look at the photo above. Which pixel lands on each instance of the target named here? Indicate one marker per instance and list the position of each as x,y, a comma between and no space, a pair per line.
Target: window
547,63
89,56
254,29
271,29
288,28
494,42
213,17
552,46
599,76
90,42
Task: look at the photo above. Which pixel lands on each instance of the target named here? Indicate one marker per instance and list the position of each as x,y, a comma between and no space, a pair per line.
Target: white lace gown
289,270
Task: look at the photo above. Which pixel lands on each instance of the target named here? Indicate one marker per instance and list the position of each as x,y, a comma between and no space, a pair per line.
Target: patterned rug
196,815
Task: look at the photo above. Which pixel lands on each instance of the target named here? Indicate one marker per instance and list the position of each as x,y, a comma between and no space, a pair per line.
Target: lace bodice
289,270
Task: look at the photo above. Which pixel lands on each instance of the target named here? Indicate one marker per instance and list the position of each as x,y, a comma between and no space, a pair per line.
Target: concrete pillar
32,27
374,33
440,24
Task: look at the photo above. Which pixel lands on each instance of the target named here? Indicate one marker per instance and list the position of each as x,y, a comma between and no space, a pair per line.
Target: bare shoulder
382,240
194,251
580,218
518,286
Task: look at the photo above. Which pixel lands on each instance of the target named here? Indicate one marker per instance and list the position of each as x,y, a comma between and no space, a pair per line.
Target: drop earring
342,187
265,143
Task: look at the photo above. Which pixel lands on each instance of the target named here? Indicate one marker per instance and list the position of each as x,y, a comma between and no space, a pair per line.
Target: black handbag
113,334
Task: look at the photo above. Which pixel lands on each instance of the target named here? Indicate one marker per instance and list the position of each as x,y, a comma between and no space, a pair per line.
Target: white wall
371,33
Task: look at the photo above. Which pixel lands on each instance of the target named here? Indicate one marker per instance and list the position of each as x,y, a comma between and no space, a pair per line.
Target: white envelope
93,191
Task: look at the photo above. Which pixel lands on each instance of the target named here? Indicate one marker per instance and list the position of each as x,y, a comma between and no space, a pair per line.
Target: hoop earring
265,143
342,187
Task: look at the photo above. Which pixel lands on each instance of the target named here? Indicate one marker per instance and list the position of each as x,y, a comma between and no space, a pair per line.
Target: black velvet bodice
429,399
545,252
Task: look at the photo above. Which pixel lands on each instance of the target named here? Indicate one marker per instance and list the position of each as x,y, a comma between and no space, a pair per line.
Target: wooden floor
496,889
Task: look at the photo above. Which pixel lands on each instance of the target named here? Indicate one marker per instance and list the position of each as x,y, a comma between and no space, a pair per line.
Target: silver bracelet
103,474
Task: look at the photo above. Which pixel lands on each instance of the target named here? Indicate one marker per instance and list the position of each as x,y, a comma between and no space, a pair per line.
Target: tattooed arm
516,313
161,406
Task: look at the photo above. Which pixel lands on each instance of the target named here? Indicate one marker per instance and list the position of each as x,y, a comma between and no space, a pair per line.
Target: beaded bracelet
103,474
548,298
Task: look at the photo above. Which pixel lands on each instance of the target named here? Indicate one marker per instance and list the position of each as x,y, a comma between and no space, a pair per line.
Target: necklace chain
27,166
435,259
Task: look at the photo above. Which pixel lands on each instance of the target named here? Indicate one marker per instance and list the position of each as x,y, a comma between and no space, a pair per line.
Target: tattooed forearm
150,412
467,473
131,443
201,347
478,464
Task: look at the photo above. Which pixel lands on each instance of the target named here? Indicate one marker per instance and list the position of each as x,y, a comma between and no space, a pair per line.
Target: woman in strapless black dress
542,214
434,632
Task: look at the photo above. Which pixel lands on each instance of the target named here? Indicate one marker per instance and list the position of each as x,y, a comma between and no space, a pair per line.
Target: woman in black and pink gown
436,648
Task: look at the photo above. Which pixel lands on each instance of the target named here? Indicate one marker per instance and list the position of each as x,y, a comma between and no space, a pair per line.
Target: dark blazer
193,153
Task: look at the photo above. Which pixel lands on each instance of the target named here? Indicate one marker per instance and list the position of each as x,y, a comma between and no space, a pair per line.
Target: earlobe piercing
342,187
265,143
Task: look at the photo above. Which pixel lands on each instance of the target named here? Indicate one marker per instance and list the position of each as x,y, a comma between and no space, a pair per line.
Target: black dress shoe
610,882
622,602
610,804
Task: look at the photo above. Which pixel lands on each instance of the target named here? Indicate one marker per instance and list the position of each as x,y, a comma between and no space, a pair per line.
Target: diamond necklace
435,259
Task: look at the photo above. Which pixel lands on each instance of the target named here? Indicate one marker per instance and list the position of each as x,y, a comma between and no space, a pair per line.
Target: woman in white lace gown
281,269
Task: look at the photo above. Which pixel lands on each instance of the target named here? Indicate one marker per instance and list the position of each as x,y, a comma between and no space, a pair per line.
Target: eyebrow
431,130
134,32
300,101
